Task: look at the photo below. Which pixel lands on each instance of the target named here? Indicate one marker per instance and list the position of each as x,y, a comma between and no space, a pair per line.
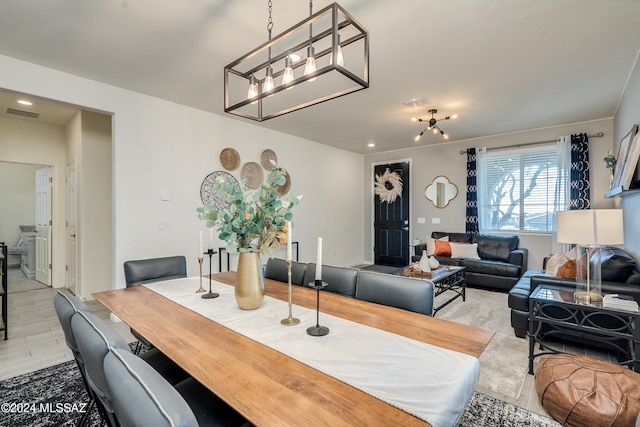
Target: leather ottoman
582,391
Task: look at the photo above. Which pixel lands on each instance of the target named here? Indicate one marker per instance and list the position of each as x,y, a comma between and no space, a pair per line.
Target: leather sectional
620,275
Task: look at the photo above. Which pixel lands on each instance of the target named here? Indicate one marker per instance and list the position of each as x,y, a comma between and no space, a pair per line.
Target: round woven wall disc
252,172
284,189
266,157
230,159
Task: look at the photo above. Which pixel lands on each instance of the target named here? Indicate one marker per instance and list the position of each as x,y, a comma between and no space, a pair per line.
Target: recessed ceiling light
416,102
24,102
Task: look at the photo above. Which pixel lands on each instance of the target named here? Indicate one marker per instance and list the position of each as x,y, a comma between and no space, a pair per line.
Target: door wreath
388,186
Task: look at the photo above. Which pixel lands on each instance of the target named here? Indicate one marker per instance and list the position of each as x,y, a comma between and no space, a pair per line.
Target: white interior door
72,253
43,225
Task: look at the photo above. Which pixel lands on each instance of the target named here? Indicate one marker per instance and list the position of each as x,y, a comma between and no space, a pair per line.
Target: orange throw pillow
442,248
567,270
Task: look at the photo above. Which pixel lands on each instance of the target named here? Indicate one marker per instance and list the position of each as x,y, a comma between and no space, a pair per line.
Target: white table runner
430,382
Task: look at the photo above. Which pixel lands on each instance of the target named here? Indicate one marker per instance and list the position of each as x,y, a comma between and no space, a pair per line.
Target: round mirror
441,191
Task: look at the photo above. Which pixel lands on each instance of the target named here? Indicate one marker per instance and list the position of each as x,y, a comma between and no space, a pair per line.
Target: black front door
391,214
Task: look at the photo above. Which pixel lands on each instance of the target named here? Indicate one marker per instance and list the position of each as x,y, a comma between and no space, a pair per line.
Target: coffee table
553,311
445,278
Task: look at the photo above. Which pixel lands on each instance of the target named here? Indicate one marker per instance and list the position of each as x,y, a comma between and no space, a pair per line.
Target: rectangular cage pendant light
337,43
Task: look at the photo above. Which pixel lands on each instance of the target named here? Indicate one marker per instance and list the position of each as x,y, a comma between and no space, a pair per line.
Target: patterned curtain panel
472,193
579,183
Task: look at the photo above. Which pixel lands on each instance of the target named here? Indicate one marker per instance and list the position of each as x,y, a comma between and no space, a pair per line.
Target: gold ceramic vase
249,289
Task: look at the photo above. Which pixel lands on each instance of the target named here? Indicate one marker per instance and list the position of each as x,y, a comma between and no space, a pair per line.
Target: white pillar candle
200,247
319,260
211,238
289,249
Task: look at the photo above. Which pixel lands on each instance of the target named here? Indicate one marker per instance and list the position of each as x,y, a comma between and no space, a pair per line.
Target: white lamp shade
590,227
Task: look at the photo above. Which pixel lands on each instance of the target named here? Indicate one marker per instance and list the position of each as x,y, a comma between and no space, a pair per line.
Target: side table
553,311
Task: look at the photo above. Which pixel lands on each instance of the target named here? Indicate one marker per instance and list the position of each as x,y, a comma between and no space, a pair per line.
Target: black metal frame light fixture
330,38
432,124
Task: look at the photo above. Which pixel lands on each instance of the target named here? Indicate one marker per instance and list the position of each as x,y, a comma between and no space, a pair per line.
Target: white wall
17,199
159,145
95,204
627,115
433,158
24,141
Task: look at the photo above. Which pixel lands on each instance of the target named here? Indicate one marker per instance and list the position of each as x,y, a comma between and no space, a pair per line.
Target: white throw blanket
430,382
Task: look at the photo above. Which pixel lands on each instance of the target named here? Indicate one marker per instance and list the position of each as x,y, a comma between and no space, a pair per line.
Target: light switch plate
421,221
435,220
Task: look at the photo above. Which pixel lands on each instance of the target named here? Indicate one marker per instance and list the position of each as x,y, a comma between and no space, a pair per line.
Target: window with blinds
520,189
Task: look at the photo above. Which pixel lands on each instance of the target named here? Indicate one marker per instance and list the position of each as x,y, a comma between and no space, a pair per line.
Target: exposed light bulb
310,66
435,130
444,135
455,116
417,138
268,84
253,89
340,61
414,119
268,81
340,56
287,75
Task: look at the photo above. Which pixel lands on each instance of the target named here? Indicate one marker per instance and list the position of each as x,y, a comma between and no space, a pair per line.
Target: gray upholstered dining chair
142,397
141,271
396,291
276,269
94,338
340,280
66,306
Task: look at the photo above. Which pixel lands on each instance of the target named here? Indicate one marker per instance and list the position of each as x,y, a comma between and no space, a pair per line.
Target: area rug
55,396
505,361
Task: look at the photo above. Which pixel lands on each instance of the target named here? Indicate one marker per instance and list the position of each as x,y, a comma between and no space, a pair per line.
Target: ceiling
501,65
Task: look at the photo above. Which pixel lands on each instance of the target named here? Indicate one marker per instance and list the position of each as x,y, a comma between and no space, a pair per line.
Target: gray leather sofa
501,262
394,291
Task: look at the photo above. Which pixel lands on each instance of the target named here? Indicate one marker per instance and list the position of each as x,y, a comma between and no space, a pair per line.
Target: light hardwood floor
36,339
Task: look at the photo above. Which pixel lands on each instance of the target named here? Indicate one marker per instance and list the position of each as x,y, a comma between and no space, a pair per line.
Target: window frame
549,155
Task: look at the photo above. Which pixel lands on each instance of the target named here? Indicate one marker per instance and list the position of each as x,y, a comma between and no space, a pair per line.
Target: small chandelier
432,124
260,84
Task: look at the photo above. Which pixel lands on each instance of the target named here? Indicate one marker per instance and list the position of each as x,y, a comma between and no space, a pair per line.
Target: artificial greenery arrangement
610,161
253,221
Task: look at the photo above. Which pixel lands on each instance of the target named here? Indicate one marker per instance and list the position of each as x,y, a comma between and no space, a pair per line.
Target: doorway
391,213
25,207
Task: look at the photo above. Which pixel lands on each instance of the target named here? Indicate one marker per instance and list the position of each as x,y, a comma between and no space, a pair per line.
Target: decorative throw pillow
555,262
442,248
431,245
567,270
464,250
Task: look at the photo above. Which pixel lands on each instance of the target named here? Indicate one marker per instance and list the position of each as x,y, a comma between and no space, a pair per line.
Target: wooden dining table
267,387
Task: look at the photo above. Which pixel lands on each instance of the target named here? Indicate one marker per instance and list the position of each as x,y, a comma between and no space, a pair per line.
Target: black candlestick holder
210,294
318,331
